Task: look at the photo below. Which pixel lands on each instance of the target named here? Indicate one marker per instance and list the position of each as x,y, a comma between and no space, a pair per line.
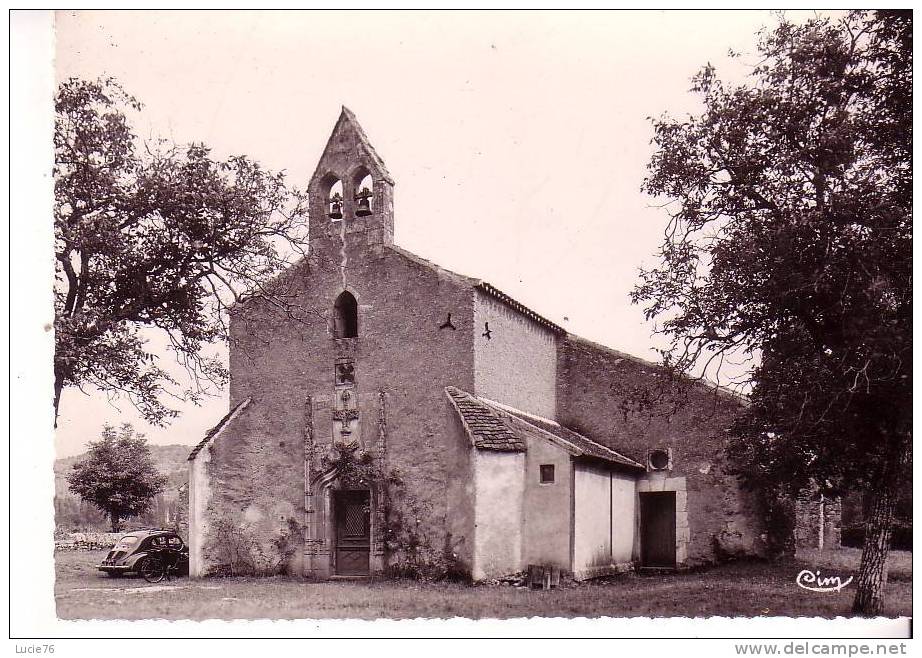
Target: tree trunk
872,573
58,387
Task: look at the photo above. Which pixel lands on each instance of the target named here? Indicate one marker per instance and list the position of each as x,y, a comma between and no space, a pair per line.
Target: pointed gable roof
348,131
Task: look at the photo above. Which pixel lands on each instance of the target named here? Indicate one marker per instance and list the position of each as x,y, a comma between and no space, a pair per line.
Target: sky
518,140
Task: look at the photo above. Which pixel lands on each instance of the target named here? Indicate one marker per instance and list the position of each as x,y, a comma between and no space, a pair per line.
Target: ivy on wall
242,549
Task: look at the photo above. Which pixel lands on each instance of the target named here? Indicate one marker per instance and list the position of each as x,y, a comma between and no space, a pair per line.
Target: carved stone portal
321,482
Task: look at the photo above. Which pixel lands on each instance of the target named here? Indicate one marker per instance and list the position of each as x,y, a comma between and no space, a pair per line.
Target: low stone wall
87,541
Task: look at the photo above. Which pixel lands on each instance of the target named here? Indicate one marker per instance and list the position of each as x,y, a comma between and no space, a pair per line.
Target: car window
126,542
159,542
174,541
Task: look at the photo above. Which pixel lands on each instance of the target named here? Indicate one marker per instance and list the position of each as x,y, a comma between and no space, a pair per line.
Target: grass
846,560
739,589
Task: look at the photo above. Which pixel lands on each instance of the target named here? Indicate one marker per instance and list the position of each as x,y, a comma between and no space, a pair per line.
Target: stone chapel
412,417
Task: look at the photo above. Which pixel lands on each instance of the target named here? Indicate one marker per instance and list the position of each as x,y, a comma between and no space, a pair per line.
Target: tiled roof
217,428
492,426
586,447
487,428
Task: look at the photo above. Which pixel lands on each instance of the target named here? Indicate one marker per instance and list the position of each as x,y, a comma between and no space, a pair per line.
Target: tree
790,245
155,237
118,476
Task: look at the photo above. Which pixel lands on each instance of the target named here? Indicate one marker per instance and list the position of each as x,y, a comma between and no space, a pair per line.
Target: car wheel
151,569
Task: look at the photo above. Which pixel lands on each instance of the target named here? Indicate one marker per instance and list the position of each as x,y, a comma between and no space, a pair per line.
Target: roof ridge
516,305
511,409
554,438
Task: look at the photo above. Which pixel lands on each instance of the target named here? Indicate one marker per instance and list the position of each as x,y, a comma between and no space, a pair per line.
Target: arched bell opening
333,195
364,187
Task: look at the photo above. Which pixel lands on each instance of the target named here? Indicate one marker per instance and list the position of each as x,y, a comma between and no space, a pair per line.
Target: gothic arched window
346,316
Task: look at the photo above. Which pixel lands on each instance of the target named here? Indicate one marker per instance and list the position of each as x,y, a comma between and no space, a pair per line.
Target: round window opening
659,459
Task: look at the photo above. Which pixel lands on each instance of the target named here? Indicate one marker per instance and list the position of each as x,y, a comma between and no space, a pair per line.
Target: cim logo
811,580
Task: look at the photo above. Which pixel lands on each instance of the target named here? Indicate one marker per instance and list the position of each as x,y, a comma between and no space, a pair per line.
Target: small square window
547,473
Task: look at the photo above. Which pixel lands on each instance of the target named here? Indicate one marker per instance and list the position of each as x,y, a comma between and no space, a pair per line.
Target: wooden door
657,529
353,532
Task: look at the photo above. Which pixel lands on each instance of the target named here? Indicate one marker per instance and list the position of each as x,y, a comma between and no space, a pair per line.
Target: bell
336,206
364,207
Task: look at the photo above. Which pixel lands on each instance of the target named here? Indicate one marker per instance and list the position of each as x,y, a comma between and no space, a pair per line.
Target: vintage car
148,548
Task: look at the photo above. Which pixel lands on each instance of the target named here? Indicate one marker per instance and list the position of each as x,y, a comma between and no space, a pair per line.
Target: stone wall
180,517
87,541
628,405
515,358
459,493
258,468
245,496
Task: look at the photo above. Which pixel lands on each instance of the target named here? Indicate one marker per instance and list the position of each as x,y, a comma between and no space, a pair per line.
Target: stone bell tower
351,193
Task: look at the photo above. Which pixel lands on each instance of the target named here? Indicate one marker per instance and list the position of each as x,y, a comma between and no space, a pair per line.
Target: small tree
119,476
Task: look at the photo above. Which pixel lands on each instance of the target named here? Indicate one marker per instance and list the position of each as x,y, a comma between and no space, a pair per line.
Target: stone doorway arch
332,545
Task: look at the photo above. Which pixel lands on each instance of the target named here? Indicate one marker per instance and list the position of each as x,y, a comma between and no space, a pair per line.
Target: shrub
412,552
242,549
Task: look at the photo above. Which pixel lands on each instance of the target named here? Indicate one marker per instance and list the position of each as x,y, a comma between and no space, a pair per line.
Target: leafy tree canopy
155,236
790,242
118,476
